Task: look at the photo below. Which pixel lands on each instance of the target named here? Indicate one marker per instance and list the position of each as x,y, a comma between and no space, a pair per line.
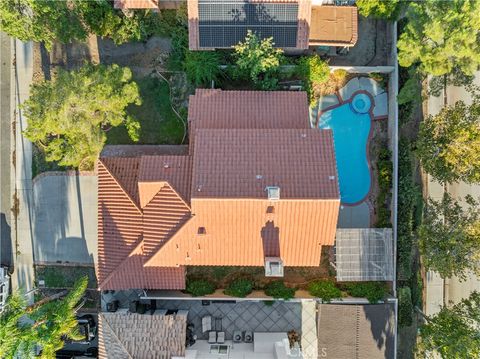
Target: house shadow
270,239
382,326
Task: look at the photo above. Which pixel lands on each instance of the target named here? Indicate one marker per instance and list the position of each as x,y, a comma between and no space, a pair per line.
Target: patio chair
221,337
206,324
212,337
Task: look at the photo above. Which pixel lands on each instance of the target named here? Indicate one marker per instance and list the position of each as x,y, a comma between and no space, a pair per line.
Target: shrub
340,75
325,289
405,307
314,71
200,287
239,288
278,290
373,291
258,60
202,67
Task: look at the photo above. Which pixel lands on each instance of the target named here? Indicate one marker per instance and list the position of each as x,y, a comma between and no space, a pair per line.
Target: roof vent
304,135
165,165
273,193
331,178
259,177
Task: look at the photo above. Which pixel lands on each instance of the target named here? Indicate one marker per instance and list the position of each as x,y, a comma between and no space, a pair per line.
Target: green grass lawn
159,124
64,276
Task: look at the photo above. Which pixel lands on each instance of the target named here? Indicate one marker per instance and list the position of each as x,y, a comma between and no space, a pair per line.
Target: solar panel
224,23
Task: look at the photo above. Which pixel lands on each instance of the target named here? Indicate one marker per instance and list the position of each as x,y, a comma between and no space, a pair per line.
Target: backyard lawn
159,124
56,276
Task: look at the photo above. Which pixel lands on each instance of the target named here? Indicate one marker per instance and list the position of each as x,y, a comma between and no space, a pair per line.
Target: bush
202,67
405,307
373,291
325,289
239,288
385,169
199,288
340,75
278,290
258,60
314,71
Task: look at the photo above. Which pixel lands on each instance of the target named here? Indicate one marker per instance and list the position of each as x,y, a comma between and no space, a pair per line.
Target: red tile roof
121,232
158,213
242,163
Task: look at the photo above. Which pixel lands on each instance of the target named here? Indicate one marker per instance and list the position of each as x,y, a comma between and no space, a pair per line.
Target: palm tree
25,329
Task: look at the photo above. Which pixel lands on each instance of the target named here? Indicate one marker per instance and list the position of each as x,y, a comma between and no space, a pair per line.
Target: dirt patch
298,277
141,57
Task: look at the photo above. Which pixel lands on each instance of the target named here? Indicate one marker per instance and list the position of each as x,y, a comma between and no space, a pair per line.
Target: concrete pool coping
373,118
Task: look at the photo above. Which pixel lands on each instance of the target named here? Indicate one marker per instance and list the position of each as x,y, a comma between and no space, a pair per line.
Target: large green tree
449,237
202,67
67,116
442,36
258,60
383,9
41,21
453,332
68,20
23,329
448,143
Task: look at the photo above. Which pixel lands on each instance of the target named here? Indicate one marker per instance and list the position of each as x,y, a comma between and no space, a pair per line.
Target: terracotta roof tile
242,163
121,239
248,109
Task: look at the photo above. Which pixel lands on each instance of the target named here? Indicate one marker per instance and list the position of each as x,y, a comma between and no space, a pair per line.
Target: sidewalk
439,292
23,277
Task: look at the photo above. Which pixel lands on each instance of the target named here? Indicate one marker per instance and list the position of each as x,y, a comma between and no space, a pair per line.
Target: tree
41,21
453,332
22,328
68,20
67,116
258,60
448,143
202,67
449,237
382,9
441,36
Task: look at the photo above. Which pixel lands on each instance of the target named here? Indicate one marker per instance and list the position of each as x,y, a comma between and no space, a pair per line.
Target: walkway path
23,276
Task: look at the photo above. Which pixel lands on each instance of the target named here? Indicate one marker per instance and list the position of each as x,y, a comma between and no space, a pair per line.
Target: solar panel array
224,23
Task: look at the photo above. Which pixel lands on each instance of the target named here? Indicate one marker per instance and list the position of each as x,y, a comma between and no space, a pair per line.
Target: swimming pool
350,123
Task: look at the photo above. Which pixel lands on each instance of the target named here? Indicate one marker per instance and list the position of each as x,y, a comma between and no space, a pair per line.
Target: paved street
6,134
65,218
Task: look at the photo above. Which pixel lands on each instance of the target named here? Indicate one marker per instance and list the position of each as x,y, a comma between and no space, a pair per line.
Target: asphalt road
6,256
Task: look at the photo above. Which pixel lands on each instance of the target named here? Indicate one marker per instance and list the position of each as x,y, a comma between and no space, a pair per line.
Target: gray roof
364,254
124,335
356,331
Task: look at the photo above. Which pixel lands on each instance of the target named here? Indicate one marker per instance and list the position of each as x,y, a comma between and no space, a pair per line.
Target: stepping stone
327,101
347,91
381,105
371,86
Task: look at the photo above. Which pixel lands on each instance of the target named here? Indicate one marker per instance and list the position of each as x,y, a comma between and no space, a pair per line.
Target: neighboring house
293,24
257,187
131,335
356,331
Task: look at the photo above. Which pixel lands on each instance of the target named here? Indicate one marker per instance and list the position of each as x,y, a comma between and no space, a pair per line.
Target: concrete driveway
65,218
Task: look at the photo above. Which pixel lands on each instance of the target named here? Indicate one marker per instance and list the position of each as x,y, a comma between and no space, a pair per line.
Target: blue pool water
350,135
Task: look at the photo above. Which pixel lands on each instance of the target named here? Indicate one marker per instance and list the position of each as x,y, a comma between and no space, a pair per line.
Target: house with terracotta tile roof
293,24
257,187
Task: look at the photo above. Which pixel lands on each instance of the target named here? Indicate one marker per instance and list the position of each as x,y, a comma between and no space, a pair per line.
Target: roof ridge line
146,263
115,335
120,185
112,273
